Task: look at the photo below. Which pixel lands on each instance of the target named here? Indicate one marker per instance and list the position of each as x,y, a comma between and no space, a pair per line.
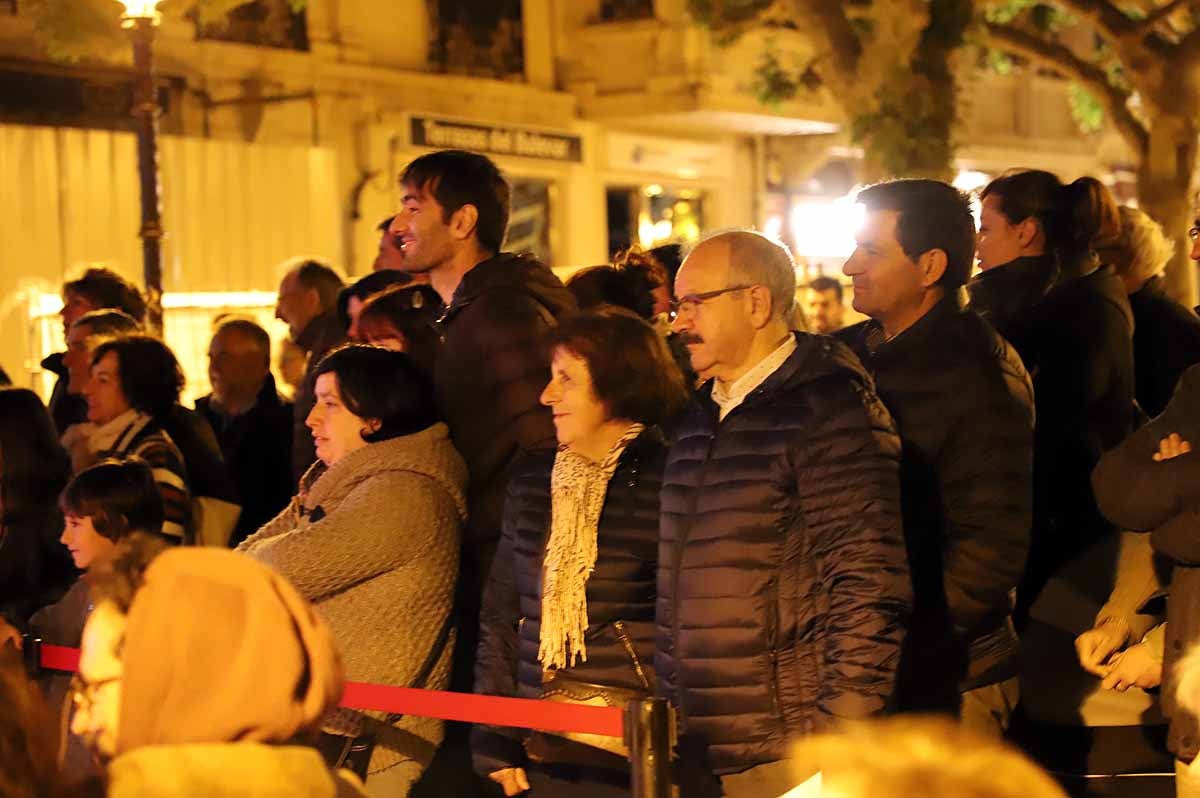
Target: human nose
313,419
550,394
852,266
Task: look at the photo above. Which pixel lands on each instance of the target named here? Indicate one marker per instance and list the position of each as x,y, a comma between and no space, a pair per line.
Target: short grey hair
1142,250
755,259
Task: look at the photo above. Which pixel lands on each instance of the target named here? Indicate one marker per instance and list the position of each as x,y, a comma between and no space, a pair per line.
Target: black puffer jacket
783,586
1137,493
1166,341
490,371
964,408
1076,342
620,589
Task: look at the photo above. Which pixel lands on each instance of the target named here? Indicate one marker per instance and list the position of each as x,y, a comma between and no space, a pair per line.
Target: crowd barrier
645,726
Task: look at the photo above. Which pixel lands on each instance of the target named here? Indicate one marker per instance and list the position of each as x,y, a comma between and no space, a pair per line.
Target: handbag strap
431,659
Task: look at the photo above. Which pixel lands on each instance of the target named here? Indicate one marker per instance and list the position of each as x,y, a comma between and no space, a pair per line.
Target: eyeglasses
83,693
689,302
1194,233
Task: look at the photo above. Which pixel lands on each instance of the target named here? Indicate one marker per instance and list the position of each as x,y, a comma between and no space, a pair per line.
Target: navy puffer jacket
621,588
783,586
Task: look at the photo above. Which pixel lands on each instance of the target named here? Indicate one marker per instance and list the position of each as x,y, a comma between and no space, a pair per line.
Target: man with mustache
783,589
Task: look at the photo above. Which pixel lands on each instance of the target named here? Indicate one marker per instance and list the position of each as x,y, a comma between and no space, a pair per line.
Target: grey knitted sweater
373,542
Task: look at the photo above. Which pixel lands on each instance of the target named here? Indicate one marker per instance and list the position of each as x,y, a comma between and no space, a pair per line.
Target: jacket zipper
772,650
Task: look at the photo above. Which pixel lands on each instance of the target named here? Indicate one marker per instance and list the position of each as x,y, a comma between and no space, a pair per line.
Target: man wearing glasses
783,588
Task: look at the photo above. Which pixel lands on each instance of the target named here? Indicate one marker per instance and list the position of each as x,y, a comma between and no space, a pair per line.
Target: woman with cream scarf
572,589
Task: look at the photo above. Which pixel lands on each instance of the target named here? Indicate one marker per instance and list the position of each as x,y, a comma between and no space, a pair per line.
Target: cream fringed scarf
577,490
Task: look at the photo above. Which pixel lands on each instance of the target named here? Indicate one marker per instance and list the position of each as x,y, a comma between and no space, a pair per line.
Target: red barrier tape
493,710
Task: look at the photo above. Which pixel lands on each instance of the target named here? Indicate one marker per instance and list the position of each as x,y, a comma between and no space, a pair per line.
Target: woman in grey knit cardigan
372,541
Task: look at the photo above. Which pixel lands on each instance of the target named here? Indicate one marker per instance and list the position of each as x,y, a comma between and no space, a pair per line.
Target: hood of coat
228,770
428,452
509,272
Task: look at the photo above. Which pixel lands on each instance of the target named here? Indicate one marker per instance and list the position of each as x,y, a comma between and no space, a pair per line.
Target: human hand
1170,447
1136,666
1097,644
10,634
513,780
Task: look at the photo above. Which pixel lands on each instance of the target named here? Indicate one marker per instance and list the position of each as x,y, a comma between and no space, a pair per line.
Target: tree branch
1111,22
833,35
1063,60
1159,14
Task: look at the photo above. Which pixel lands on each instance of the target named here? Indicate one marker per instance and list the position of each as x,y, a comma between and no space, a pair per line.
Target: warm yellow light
141,9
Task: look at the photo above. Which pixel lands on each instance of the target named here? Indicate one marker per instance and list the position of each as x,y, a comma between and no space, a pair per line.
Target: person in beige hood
181,706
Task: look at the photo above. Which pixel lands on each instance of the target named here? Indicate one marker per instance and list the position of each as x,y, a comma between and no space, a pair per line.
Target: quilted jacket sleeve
848,480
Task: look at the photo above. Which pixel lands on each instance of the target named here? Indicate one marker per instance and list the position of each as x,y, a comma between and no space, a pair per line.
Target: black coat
783,586
489,373
620,589
257,447
1166,341
65,408
1076,342
1137,493
963,405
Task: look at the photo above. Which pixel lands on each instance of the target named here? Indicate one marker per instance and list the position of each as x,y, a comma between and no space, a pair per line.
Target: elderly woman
570,603
372,541
134,385
1166,335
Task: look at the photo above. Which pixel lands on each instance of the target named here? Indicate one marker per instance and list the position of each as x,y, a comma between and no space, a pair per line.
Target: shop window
529,219
482,38
651,215
266,23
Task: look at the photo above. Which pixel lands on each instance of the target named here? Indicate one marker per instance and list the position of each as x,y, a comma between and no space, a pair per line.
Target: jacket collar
918,336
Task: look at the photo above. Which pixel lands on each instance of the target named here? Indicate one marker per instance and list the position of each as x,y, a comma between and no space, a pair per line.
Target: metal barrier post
31,653
648,737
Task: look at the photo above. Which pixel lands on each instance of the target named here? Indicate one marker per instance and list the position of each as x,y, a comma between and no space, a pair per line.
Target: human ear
1027,231
761,304
932,265
463,221
371,426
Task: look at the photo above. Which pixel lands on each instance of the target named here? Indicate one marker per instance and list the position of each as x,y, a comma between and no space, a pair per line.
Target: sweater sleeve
986,473
366,534
170,475
849,492
495,747
1134,491
286,520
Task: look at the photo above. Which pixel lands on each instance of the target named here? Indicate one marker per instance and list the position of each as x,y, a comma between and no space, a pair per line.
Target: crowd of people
677,475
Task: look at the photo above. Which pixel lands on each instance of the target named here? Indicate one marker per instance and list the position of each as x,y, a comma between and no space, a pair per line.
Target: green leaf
1085,108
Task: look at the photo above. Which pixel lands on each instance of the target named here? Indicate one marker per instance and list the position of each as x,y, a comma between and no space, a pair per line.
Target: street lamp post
140,19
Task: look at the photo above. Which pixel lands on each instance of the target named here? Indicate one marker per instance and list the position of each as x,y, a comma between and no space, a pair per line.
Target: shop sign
446,134
678,157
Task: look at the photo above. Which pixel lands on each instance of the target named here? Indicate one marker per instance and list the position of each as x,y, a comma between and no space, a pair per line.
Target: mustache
686,338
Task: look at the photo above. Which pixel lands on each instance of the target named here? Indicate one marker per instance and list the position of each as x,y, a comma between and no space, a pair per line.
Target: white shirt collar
727,397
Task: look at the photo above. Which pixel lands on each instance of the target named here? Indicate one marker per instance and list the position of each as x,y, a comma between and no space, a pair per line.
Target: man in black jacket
963,405
252,421
308,296
783,587
491,368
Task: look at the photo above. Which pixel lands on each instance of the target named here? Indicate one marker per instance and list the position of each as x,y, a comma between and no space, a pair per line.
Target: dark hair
456,178
633,373
33,466
250,329
1074,218
628,288
123,575
109,321
119,496
386,224
410,310
933,215
320,277
381,384
824,283
670,257
151,378
364,287
104,288
29,756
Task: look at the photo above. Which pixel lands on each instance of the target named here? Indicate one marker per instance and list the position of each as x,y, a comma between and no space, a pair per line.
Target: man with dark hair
783,591
82,339
351,298
252,421
823,305
963,405
97,288
491,368
308,298
390,256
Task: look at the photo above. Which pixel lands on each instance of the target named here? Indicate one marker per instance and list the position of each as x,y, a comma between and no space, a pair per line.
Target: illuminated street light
140,19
